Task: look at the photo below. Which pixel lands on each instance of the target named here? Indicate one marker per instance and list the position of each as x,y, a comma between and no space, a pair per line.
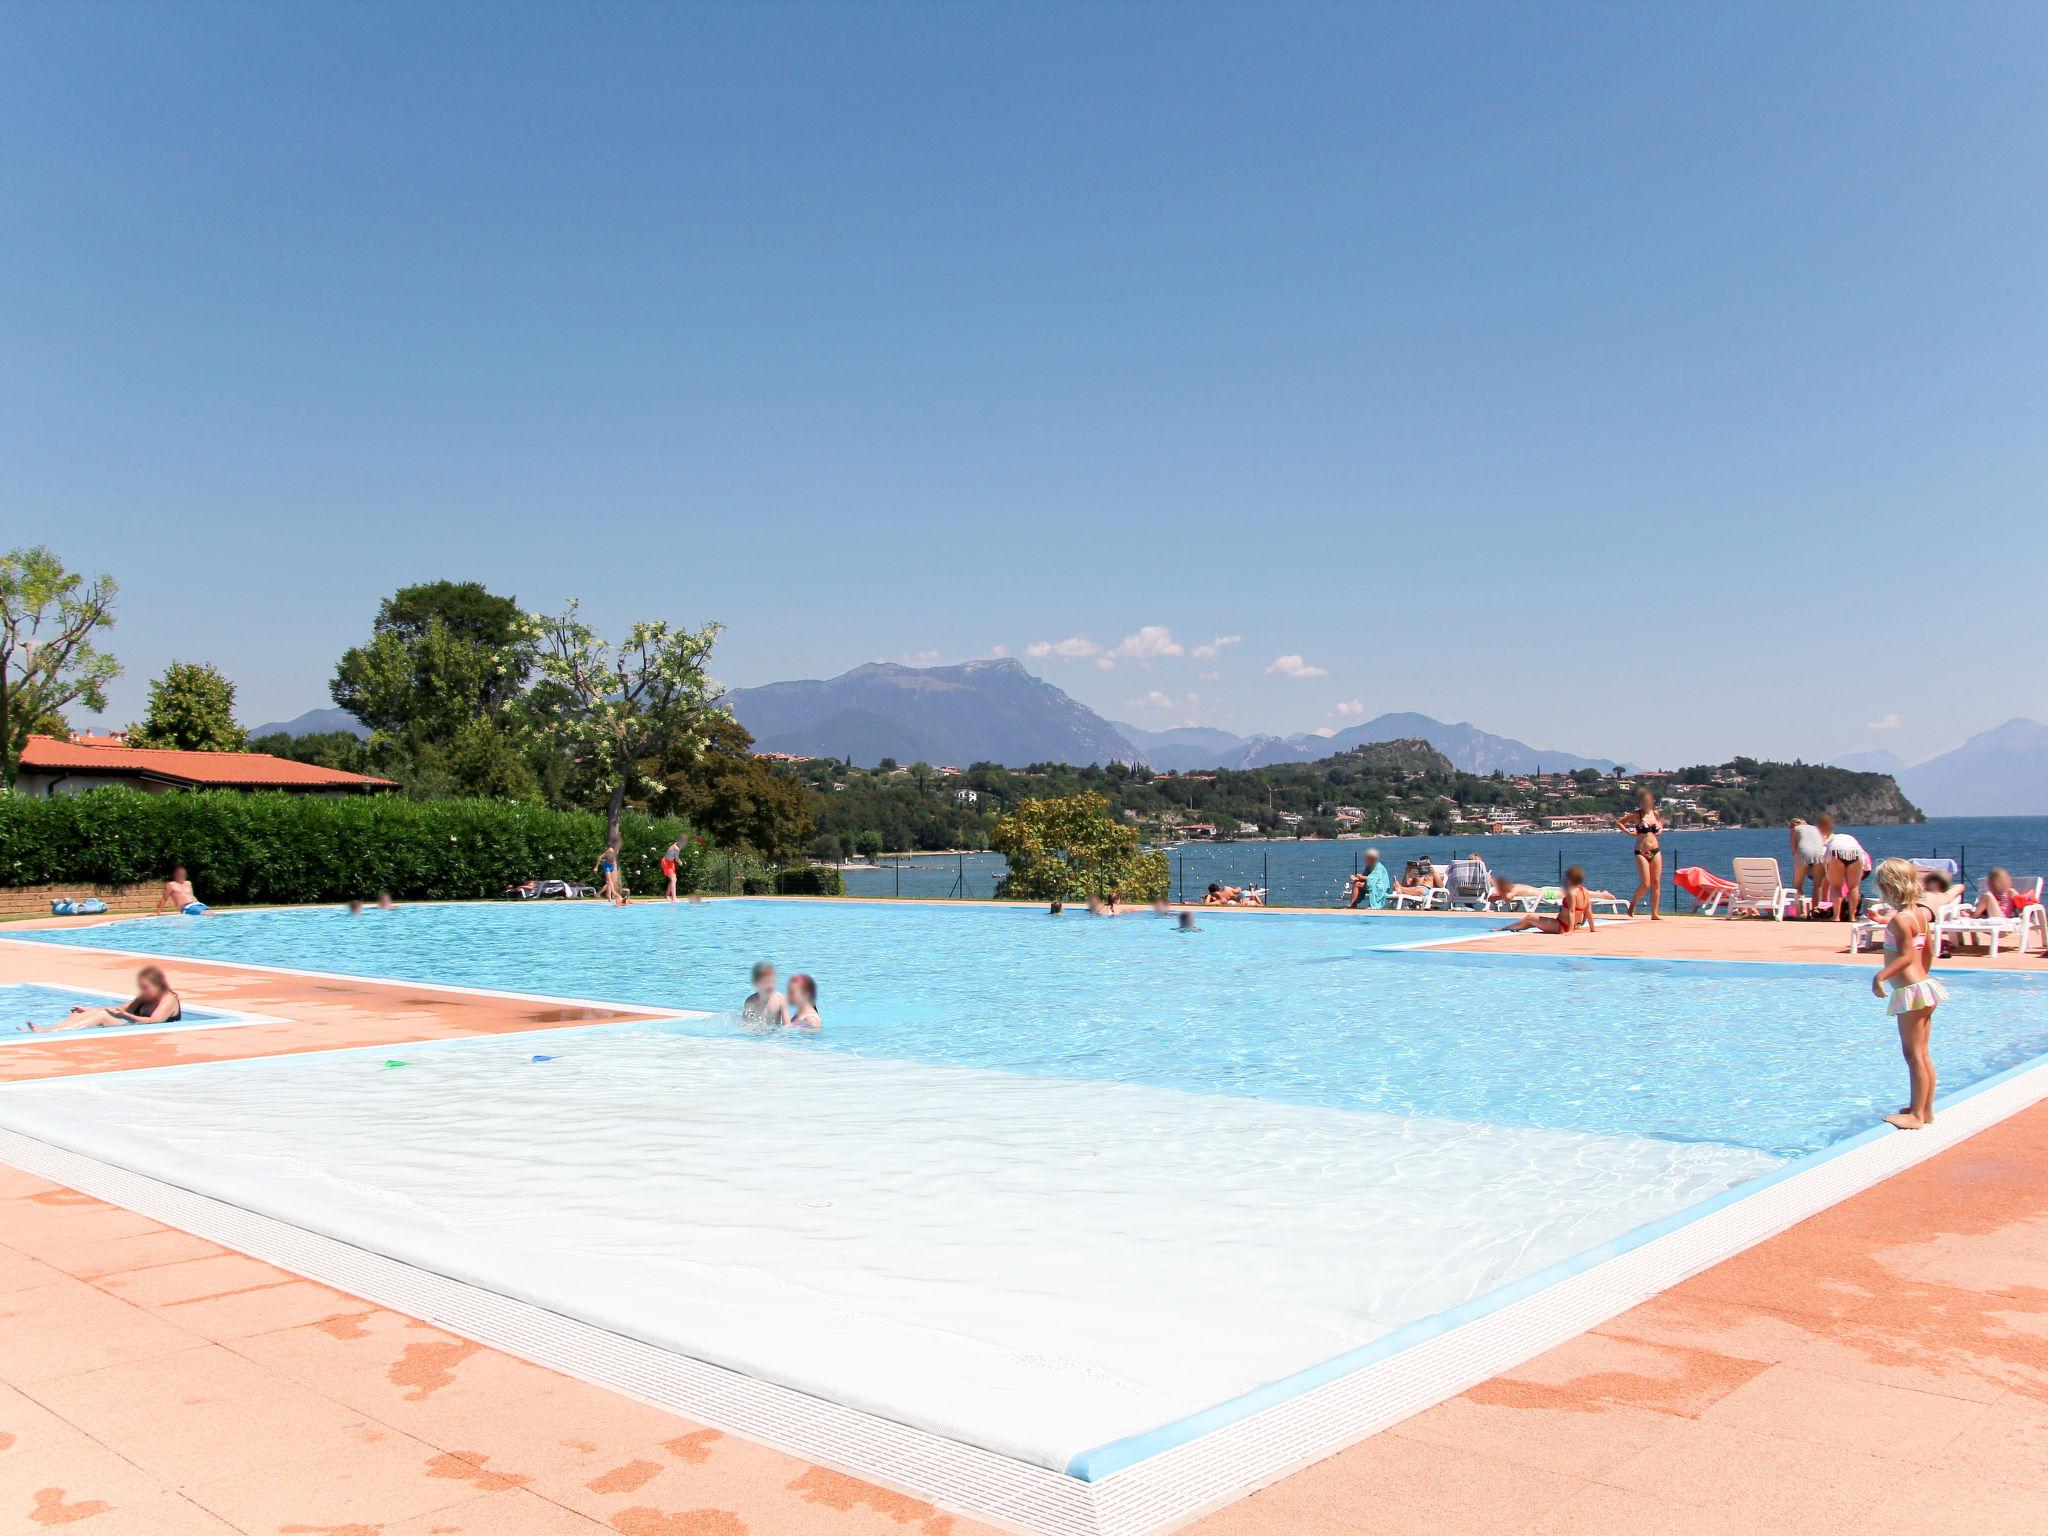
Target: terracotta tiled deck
1884,1363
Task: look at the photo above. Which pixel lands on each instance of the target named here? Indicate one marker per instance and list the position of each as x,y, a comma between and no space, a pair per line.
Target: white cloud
1103,664
1323,730
1216,647
1148,644
1073,648
1153,700
1349,709
1210,677
1888,723
1294,666
920,658
999,650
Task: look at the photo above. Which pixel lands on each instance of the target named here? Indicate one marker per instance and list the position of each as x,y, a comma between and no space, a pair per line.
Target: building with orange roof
49,766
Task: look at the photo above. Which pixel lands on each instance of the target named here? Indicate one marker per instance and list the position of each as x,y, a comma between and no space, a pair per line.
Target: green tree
48,620
729,794
608,712
192,709
1069,846
436,682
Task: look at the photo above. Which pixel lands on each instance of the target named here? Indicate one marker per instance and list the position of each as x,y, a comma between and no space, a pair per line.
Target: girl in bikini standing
1647,827
1908,953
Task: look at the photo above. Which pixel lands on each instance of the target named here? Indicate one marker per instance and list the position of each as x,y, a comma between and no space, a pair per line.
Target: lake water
1311,874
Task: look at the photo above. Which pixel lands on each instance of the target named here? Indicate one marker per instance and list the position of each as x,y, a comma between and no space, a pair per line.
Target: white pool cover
1033,1265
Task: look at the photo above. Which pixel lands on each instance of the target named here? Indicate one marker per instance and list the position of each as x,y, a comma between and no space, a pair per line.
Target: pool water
23,1001
1321,1011
1052,1186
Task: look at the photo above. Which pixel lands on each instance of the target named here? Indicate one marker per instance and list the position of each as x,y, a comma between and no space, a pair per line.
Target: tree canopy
192,709
1069,846
608,711
49,619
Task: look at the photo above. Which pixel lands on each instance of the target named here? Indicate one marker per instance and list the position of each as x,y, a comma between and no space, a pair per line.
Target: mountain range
978,711
996,711
1193,748
314,722
1999,772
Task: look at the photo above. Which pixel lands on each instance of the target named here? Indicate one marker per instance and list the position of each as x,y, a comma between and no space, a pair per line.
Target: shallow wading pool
1051,1187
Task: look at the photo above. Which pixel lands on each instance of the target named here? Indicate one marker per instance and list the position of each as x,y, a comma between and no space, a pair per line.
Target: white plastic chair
1468,883
2016,927
1759,888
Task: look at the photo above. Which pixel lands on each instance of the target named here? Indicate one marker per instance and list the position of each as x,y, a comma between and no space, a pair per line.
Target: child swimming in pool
154,1003
800,1010
763,1011
1908,956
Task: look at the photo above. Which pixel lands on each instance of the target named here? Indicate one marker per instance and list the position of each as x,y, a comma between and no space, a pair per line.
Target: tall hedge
290,848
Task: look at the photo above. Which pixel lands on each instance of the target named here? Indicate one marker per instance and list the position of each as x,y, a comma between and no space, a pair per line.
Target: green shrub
291,848
757,885
810,880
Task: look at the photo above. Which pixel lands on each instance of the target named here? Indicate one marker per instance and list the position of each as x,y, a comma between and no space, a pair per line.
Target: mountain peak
989,710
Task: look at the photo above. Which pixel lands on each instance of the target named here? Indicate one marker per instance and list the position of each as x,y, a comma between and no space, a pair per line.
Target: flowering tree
609,711
48,617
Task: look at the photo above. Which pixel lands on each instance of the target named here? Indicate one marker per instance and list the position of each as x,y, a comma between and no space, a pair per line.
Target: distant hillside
1187,749
1470,749
979,711
314,722
1875,761
1999,772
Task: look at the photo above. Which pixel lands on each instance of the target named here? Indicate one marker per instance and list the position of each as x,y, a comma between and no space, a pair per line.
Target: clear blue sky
1653,381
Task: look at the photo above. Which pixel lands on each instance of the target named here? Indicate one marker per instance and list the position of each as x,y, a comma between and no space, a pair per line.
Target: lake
1312,874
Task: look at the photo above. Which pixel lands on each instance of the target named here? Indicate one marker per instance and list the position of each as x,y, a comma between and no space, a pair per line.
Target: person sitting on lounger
1419,878
1222,895
1574,912
154,1003
1999,898
1507,892
1372,885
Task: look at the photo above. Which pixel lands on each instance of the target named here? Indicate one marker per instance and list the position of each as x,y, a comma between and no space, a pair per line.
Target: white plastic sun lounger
2029,919
1760,889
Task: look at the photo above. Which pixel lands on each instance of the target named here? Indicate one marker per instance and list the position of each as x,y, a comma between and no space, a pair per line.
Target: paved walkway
1885,1363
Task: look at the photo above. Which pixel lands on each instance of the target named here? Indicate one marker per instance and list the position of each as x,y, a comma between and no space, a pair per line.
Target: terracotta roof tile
232,770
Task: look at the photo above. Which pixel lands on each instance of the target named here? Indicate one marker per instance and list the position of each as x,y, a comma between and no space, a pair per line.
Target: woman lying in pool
154,1003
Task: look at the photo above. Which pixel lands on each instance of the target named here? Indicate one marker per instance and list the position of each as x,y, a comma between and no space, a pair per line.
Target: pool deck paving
1885,1362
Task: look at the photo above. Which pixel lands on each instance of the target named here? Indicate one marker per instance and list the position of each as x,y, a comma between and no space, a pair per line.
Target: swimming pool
1059,1188
22,1001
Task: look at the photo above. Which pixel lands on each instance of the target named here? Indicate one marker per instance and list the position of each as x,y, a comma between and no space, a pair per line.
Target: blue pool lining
1100,1461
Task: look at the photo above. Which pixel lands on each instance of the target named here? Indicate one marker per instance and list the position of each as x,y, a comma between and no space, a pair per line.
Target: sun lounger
1760,889
1710,890
1468,883
2016,928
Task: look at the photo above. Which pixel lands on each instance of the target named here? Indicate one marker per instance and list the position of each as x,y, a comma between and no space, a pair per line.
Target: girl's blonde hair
1899,880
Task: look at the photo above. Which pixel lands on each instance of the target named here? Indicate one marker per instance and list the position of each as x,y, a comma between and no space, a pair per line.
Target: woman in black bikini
1646,827
154,1003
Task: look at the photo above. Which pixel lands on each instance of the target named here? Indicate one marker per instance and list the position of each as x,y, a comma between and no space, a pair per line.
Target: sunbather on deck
1574,912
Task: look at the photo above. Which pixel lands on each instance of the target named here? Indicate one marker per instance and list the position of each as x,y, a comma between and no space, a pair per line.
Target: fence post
1181,876
1265,872
898,867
